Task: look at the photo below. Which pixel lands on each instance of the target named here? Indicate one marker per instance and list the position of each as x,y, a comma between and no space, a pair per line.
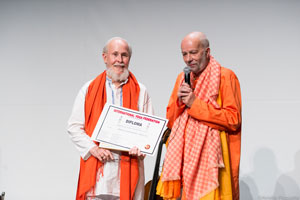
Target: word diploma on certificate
121,129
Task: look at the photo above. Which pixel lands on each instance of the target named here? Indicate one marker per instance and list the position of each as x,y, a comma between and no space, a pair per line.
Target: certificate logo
147,146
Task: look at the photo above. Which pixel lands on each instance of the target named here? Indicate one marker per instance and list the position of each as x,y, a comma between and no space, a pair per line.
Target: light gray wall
49,49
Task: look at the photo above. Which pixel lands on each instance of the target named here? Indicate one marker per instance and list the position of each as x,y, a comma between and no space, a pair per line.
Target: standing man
203,153
108,174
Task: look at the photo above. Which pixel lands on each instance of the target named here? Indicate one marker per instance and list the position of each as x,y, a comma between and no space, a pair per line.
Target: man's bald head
197,37
195,51
116,39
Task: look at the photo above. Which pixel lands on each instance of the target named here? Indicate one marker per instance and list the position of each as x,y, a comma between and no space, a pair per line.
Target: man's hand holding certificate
121,128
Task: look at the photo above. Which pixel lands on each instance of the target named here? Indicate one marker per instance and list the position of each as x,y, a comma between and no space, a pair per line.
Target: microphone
187,72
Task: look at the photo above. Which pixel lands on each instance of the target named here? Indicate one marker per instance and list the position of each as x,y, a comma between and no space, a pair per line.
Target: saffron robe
227,118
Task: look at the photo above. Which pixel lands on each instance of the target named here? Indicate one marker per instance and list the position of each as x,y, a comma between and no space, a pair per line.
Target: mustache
119,65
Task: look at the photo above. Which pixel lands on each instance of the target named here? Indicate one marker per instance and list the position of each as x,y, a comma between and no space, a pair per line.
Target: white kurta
109,183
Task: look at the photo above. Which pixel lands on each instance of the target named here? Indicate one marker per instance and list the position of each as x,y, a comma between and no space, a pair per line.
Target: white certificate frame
120,128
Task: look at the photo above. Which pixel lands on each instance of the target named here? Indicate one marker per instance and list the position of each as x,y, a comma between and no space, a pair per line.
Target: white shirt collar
121,84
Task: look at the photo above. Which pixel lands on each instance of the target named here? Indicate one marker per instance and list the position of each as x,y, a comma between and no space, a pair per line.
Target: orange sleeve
174,109
228,117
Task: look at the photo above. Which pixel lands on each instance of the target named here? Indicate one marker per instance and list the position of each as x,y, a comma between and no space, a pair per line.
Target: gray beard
116,77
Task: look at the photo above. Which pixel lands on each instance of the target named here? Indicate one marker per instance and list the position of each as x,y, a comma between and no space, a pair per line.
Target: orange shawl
227,119
194,152
94,103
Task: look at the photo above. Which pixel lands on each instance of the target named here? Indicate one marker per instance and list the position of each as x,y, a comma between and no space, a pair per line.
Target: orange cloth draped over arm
173,108
94,103
227,118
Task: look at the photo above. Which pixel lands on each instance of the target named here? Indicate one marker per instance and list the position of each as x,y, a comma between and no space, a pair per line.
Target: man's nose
189,57
119,58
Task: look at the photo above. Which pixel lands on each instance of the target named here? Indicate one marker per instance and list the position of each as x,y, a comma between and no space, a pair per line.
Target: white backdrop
49,49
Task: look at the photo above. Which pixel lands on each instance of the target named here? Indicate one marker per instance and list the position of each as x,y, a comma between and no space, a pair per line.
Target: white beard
116,77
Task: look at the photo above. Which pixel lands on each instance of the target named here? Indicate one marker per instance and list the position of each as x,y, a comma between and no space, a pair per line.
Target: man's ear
208,52
104,56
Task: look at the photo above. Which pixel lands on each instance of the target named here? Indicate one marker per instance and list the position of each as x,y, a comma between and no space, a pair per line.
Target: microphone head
187,70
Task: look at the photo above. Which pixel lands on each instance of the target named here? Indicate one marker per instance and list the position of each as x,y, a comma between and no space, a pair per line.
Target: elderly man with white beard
108,174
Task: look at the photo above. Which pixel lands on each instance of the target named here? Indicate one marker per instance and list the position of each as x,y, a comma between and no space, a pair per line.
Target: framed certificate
121,129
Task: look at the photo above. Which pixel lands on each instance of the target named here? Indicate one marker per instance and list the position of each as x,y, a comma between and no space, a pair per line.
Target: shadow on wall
266,182
288,184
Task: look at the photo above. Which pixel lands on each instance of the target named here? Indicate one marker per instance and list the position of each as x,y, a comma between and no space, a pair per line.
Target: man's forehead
190,44
118,49
190,48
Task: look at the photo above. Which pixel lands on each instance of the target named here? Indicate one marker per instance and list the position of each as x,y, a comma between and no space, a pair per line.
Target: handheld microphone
187,72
